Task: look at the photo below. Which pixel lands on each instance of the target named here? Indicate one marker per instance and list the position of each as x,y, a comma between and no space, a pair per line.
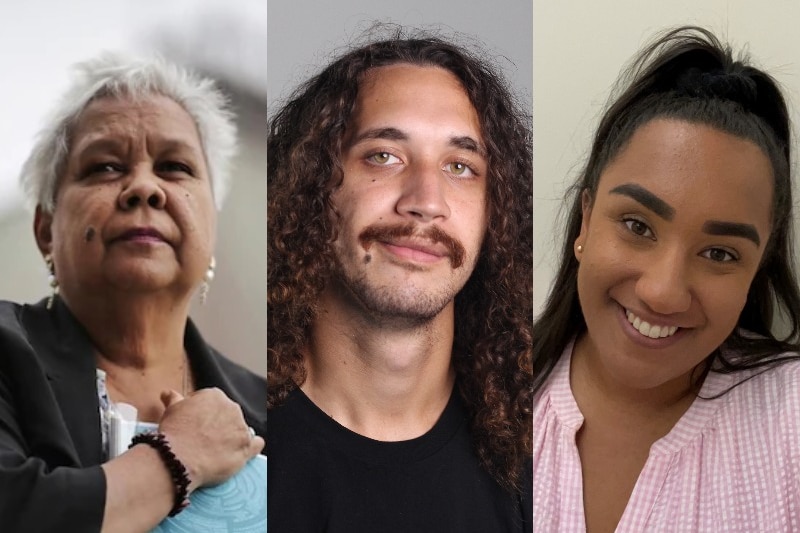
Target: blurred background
227,41
580,47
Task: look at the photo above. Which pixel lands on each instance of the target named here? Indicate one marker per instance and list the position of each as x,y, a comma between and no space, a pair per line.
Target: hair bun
734,86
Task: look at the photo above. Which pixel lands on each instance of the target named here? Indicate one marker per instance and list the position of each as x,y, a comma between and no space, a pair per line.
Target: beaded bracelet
177,470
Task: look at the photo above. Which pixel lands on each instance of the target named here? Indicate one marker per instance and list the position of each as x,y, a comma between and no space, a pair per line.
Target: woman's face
134,206
670,246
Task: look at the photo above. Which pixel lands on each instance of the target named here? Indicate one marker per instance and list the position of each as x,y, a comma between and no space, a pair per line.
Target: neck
385,380
600,397
138,331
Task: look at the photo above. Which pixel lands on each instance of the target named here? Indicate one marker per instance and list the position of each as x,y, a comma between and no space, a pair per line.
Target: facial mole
89,234
367,259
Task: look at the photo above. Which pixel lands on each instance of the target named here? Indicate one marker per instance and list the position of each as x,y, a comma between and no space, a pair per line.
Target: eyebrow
667,212
735,229
463,142
646,198
112,144
390,134
99,144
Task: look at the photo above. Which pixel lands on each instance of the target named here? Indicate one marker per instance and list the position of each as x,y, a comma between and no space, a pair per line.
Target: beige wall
579,47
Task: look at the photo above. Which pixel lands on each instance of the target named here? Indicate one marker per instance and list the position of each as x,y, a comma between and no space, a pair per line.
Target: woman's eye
382,158
104,168
175,166
457,168
719,255
637,227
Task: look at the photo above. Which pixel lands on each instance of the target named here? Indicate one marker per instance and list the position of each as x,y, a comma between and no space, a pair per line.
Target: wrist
178,472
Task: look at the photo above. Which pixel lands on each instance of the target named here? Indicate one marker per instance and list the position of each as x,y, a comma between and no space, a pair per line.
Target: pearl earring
51,280
207,279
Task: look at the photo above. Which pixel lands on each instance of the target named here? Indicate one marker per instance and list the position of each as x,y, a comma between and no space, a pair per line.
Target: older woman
125,179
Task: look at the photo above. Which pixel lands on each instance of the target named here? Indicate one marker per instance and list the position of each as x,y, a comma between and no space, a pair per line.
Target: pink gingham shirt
729,465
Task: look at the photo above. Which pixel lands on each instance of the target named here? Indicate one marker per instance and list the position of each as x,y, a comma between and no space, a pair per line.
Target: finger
169,397
256,445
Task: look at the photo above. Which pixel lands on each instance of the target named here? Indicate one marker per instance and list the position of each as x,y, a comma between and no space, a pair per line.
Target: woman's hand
207,432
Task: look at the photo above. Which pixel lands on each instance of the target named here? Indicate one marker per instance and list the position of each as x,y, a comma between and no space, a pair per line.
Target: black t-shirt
326,478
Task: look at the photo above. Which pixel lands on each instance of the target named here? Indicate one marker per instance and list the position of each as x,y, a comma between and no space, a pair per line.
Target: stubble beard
392,303
408,306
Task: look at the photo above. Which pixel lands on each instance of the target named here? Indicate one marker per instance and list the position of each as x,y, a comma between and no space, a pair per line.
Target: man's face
412,202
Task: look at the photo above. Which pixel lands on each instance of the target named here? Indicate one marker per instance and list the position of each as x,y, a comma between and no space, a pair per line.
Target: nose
664,284
423,194
143,187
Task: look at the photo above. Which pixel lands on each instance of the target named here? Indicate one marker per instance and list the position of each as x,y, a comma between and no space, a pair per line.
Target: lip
637,338
416,251
143,235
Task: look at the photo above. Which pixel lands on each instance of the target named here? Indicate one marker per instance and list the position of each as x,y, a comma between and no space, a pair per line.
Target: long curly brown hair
493,312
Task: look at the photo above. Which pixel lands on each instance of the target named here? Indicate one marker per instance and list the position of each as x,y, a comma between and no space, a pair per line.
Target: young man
399,294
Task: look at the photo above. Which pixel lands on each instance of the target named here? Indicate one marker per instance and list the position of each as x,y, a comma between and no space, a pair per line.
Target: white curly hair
118,75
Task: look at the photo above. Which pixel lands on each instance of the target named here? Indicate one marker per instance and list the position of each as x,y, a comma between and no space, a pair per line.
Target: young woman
665,398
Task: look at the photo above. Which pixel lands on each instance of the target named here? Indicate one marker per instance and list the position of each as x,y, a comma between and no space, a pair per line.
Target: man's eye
382,158
457,168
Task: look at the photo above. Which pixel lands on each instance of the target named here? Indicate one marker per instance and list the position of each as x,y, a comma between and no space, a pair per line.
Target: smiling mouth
654,331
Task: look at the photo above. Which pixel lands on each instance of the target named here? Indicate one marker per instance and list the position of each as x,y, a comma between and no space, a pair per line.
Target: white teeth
648,330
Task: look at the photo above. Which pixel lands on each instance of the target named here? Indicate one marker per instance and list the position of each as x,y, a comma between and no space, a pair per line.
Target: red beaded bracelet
177,470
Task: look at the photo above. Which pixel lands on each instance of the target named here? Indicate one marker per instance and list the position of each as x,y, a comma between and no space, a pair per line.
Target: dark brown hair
688,74
492,346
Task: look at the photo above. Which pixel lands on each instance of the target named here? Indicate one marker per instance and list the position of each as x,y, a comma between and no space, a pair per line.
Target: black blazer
50,442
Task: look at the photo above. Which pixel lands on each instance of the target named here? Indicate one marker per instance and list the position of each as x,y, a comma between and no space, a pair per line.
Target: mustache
433,234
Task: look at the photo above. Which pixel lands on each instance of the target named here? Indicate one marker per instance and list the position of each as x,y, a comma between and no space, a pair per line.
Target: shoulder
214,367
243,386
770,381
775,383
35,320
763,404
14,345
10,321
242,377
555,401
20,326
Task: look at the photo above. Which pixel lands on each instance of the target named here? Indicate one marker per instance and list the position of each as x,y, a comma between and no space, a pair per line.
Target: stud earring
580,248
207,279
51,280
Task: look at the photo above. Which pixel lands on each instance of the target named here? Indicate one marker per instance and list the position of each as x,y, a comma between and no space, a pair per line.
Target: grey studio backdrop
305,35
